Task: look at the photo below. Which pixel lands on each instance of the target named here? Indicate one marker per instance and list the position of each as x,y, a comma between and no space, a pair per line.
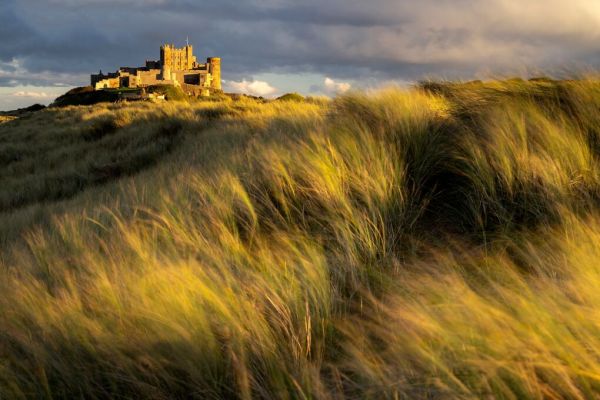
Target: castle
177,66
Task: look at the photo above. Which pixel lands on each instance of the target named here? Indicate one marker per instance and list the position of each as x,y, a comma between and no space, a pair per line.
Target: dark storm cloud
15,32
349,39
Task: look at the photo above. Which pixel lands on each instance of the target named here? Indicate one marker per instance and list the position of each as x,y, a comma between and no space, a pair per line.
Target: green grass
434,243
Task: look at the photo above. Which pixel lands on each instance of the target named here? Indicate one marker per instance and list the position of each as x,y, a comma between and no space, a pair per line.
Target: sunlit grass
439,242
520,323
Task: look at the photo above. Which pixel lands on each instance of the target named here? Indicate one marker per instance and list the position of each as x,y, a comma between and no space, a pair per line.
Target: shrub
291,97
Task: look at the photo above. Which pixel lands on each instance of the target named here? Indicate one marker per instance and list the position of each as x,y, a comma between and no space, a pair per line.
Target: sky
315,47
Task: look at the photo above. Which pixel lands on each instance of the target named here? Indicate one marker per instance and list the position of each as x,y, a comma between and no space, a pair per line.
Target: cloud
353,41
13,73
255,88
334,87
31,94
15,97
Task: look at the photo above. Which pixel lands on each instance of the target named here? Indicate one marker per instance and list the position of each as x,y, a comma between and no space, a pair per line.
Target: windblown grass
433,243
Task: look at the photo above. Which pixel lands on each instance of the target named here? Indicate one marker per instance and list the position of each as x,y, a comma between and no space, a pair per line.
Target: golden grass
6,118
433,243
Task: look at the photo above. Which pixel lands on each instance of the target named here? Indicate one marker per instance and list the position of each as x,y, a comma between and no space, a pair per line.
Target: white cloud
334,87
23,93
20,96
255,88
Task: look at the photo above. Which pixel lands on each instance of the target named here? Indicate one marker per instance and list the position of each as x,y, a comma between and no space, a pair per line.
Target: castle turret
189,57
215,72
166,72
165,55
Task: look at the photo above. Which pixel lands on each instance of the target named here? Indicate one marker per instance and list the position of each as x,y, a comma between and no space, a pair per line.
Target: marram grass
435,243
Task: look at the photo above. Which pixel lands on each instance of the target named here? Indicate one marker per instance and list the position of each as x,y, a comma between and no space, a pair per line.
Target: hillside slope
437,243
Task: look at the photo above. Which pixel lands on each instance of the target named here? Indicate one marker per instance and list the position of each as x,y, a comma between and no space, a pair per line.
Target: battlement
177,66
177,59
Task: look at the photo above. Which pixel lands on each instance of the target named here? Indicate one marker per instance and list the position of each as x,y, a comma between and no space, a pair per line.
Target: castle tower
177,59
165,55
166,72
189,56
215,71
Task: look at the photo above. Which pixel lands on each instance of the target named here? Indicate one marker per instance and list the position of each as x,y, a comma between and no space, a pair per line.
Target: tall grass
432,243
466,324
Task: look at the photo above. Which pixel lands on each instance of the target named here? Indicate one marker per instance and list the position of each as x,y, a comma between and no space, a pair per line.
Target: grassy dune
435,243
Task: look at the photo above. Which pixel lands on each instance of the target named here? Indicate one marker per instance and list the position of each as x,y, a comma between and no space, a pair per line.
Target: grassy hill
435,243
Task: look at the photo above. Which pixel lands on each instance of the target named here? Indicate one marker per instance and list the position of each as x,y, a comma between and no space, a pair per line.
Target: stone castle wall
147,78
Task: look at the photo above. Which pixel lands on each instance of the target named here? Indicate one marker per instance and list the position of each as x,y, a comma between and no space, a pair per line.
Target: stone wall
191,77
109,83
150,77
195,90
